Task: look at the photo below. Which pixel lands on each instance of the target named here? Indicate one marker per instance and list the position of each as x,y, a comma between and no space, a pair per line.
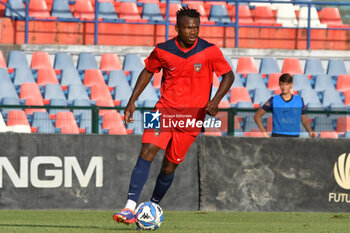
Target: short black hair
286,78
185,11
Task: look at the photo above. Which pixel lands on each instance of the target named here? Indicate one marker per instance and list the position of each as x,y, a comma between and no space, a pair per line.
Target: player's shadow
124,229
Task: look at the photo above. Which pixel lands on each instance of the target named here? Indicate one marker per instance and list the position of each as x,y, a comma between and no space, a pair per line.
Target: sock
131,205
162,185
138,179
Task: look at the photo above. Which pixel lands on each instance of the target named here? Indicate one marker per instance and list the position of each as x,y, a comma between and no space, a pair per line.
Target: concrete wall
219,173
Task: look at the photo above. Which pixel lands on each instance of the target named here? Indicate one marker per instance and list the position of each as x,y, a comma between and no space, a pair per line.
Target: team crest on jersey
156,132
197,67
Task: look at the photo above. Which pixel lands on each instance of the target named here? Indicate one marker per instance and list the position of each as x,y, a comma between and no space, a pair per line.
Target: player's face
187,30
285,87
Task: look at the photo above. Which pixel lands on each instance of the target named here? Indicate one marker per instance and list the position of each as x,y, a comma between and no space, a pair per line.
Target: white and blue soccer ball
149,216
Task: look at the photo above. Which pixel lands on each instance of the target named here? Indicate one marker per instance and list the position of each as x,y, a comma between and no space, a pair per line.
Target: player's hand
128,113
313,134
212,108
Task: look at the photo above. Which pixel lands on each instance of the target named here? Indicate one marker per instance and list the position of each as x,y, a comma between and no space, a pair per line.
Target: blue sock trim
138,178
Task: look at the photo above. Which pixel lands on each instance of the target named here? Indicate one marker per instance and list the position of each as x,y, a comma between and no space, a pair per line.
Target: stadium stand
67,123
219,14
43,123
106,10
336,67
269,65
292,66
313,66
40,60
61,9
83,9
46,76
330,16
151,12
264,15
38,9
244,14
63,61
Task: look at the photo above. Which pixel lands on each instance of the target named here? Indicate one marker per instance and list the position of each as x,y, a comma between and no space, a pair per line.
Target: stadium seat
85,121
148,93
219,14
70,76
83,9
112,121
2,61
43,123
261,95
317,106
314,22
17,59
40,60
16,5
54,91
329,134
200,8
9,101
343,125
322,123
291,66
61,9
106,10
300,82
309,96
38,9
17,122
77,92
134,76
313,66
23,75
244,14
66,122
323,82
100,93
347,98
254,81
3,126
264,15
132,62
137,125
239,94
151,12
92,77
246,65
31,91
57,102
238,81
116,78
63,60
273,81
82,103
330,16
286,15
122,92
331,96
336,67
128,11
86,61
7,89
110,61
173,8
343,82
46,76
269,65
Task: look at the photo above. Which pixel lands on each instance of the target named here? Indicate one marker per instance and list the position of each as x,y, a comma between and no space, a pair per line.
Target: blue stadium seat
17,59
331,97
313,66
238,81
134,75
106,10
85,121
132,62
70,76
213,92
219,14
117,77
137,125
81,103
23,75
16,5
248,105
77,92
151,11
149,93
58,102
63,60
323,82
54,91
336,67
300,82
86,61
122,92
42,121
310,96
255,81
149,103
4,76
322,123
9,101
262,95
316,106
60,9
269,65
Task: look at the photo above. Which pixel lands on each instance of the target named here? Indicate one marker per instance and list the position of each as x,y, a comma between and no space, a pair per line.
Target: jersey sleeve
219,63
268,105
153,63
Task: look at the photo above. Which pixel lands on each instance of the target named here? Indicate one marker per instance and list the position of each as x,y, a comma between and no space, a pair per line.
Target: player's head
187,26
286,83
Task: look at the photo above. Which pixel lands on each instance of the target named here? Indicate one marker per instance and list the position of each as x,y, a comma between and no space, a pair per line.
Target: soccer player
288,111
188,63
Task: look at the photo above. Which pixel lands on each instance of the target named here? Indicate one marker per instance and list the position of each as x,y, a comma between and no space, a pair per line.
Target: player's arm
142,81
258,121
225,85
307,126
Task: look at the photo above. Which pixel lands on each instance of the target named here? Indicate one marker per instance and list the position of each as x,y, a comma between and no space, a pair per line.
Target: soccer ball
149,216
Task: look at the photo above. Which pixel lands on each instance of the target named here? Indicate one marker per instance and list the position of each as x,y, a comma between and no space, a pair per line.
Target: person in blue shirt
288,111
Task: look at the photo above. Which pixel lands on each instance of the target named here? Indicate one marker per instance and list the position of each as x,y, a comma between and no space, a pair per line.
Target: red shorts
174,142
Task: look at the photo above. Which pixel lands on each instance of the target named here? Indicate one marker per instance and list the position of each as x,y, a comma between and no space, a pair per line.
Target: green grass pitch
84,221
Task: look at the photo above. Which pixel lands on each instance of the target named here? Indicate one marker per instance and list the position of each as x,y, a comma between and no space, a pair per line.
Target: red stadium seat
148,1
2,61
100,91
246,65
66,122
40,60
83,9
329,134
330,16
239,94
273,81
112,120
200,8
264,15
38,9
343,125
254,133
31,93
173,8
45,76
92,77
244,14
347,98
343,82
292,66
110,61
129,11
17,121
